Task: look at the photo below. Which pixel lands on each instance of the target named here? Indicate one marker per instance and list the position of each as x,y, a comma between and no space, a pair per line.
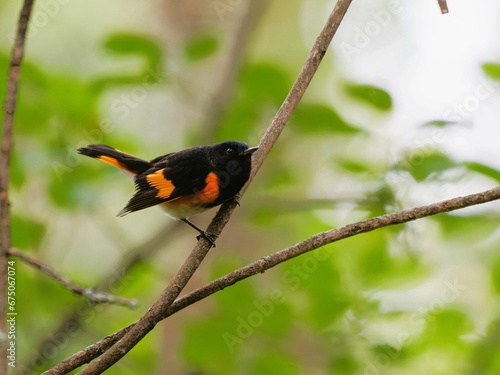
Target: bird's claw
208,236
235,200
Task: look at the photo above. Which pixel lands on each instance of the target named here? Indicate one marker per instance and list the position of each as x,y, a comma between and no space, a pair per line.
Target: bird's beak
248,151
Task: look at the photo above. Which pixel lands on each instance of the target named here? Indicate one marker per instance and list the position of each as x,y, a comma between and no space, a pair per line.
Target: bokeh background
404,111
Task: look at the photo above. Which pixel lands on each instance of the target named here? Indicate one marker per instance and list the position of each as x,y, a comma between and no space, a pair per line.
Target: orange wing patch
210,192
160,183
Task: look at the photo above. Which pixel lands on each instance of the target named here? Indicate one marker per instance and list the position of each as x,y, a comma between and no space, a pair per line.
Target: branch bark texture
6,151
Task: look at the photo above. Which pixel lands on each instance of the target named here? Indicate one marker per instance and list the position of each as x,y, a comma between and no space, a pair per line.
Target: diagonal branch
6,151
179,281
261,265
91,294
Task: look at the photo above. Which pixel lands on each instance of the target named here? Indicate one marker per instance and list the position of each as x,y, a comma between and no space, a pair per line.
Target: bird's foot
235,200
208,236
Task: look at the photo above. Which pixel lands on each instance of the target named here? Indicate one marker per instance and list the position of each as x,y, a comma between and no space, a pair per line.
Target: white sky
430,63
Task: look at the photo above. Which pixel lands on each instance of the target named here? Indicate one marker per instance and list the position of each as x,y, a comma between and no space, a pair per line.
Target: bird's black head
232,161
223,153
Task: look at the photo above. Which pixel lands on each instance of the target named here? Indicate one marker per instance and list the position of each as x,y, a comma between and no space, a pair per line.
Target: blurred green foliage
492,70
316,313
371,95
201,47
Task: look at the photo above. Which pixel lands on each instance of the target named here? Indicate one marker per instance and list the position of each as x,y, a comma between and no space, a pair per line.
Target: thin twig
443,6
91,294
6,151
261,265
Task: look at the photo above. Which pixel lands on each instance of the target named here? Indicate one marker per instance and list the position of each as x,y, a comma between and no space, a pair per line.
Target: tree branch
6,151
263,264
179,281
443,6
91,294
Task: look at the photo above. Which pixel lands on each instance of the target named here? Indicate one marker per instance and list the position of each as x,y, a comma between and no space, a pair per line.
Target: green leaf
264,83
439,123
128,44
26,233
239,121
444,328
492,70
471,228
354,166
483,169
495,276
133,44
319,118
260,86
423,165
378,200
372,95
201,47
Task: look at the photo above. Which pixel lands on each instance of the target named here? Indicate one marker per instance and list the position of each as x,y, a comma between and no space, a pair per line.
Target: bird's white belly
181,211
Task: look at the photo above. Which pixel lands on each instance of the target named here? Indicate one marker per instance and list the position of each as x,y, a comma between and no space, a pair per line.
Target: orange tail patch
112,161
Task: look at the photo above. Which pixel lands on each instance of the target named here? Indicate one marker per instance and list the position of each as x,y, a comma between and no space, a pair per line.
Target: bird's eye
229,151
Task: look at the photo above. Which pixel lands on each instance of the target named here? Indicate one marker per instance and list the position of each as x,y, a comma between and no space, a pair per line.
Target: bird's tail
128,163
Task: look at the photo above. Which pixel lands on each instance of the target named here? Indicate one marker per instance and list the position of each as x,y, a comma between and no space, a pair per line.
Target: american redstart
184,183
